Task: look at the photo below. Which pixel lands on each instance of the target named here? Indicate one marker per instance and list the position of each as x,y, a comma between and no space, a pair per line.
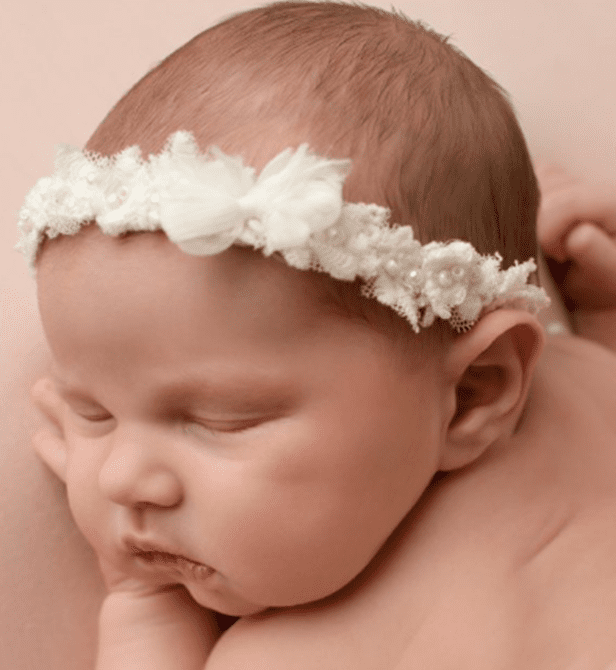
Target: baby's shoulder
311,638
284,640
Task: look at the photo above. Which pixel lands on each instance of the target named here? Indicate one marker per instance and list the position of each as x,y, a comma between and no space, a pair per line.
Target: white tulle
207,202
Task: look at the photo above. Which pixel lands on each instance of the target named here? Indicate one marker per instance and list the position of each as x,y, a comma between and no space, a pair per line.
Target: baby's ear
490,370
48,441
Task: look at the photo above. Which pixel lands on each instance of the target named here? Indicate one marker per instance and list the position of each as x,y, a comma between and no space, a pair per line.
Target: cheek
276,527
301,523
83,493
378,445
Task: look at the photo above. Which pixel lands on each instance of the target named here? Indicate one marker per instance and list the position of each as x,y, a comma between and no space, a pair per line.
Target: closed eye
86,409
95,418
92,414
199,427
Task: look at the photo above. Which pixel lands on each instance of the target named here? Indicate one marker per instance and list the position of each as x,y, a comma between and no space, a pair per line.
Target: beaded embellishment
207,202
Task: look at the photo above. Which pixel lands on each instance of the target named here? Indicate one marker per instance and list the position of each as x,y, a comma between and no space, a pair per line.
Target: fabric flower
206,205
450,271
200,207
296,195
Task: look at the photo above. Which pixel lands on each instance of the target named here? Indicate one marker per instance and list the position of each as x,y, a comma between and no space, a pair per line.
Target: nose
138,472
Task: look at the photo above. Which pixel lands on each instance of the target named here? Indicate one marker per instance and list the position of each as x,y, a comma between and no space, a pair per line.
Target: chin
224,604
239,611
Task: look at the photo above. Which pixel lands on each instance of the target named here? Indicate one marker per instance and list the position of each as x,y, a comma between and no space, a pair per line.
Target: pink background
63,65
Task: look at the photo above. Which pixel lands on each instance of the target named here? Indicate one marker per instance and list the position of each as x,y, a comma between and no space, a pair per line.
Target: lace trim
207,202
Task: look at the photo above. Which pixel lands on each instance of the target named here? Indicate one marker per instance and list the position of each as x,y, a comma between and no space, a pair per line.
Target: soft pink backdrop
63,64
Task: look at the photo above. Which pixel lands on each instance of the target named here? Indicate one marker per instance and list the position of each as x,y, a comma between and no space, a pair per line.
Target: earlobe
490,369
48,441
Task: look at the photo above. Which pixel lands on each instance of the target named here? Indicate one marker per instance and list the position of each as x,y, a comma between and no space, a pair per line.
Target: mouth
153,557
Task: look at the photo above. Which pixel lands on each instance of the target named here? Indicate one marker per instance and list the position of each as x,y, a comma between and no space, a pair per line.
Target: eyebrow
253,390
247,389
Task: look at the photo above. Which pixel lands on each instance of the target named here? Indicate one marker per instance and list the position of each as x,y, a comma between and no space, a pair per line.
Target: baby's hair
431,135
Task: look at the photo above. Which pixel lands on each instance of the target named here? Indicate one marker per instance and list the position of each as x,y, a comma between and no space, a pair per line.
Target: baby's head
273,423
431,136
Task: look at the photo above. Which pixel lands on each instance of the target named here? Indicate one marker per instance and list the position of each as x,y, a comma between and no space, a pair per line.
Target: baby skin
233,443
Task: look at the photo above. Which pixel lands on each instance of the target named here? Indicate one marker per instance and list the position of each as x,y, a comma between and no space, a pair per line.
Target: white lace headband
207,202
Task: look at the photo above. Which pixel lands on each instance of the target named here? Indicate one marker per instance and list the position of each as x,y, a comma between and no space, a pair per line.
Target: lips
160,557
139,547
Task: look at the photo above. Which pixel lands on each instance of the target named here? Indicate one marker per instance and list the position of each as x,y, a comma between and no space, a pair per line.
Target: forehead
94,288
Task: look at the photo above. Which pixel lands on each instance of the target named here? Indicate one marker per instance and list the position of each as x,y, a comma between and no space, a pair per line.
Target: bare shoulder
245,645
279,642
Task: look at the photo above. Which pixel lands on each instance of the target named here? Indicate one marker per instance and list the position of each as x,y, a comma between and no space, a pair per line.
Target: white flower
451,275
200,206
208,205
296,195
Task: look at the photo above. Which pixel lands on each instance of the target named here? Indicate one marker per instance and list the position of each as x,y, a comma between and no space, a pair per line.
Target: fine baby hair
415,134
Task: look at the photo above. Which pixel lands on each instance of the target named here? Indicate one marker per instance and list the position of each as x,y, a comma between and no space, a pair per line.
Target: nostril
137,483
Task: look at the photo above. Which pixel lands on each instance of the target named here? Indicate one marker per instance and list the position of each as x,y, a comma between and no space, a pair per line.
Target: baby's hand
576,228
159,627
577,231
118,581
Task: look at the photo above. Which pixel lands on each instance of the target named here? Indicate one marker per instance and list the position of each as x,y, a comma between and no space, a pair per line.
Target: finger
51,449
551,176
562,209
117,580
594,253
45,396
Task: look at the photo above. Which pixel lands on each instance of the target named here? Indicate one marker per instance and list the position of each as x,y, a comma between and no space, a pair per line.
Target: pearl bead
413,274
333,233
153,216
444,278
391,265
556,328
361,242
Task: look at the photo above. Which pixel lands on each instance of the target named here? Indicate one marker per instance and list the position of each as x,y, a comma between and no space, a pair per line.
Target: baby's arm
153,628
577,231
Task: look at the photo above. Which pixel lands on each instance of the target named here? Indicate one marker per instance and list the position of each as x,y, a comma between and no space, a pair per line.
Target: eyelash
187,423
95,419
222,431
